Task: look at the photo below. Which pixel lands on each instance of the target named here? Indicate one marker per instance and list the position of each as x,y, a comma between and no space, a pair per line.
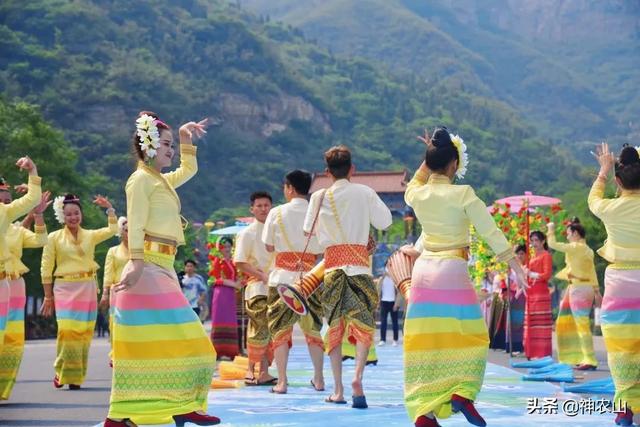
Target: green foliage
92,67
24,131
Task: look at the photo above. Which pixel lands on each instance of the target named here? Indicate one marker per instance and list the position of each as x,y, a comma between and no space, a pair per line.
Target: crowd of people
163,360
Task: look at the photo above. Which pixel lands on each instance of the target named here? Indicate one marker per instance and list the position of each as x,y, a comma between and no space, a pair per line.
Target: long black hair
541,236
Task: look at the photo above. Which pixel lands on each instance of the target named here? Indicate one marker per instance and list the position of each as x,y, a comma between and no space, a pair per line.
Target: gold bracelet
48,298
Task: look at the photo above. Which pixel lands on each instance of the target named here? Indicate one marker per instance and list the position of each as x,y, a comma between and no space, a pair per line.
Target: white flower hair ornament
58,208
122,223
462,154
148,135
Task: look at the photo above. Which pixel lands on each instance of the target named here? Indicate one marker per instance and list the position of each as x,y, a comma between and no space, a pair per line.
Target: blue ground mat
503,401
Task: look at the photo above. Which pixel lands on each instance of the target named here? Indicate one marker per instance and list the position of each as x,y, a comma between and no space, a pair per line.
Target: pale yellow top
621,218
153,206
71,256
580,267
14,210
19,238
117,258
446,211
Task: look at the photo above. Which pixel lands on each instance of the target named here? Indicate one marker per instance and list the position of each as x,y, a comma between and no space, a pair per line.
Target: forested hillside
276,99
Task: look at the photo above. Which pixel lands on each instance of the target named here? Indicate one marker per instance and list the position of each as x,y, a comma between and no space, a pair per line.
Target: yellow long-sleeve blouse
153,206
13,211
117,258
18,238
72,256
446,212
580,268
621,218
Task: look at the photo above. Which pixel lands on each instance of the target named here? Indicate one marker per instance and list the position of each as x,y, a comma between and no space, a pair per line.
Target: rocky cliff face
556,21
267,116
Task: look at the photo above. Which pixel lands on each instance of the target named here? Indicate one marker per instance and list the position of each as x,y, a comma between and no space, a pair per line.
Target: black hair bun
441,137
575,220
629,155
70,198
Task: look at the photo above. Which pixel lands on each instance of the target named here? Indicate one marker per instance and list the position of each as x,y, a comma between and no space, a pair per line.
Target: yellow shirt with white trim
621,219
446,212
16,209
153,206
65,255
19,238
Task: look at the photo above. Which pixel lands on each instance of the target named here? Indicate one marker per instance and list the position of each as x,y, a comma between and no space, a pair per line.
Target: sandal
338,402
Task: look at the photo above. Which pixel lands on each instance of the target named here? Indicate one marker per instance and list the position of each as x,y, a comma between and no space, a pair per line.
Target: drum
400,266
295,296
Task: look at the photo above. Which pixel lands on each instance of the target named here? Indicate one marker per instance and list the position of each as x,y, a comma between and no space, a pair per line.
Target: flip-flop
272,381
273,390
359,402
338,402
314,386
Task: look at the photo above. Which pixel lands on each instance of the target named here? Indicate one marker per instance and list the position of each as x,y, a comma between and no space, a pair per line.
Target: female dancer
537,314
446,341
621,304
74,291
163,359
224,322
9,213
117,258
17,238
573,328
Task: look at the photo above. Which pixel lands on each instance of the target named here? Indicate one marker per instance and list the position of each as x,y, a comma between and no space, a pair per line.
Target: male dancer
295,255
251,258
346,212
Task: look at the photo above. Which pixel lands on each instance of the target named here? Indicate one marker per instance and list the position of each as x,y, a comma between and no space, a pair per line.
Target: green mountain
277,100
570,67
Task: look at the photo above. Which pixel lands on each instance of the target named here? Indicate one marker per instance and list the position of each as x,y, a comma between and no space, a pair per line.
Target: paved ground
36,403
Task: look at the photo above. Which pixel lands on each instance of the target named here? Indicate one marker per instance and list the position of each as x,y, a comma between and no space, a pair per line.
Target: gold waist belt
633,265
160,248
449,253
9,276
78,276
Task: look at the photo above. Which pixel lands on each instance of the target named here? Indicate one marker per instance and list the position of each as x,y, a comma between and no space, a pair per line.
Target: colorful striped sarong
538,322
76,303
282,318
621,330
573,327
224,321
163,360
349,303
445,338
13,348
4,308
258,338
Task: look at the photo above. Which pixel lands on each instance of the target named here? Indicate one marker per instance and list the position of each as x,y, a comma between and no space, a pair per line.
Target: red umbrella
527,200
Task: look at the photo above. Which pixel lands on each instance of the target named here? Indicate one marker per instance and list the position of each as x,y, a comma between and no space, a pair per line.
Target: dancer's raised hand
21,188
606,159
426,139
27,164
193,130
45,201
102,201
